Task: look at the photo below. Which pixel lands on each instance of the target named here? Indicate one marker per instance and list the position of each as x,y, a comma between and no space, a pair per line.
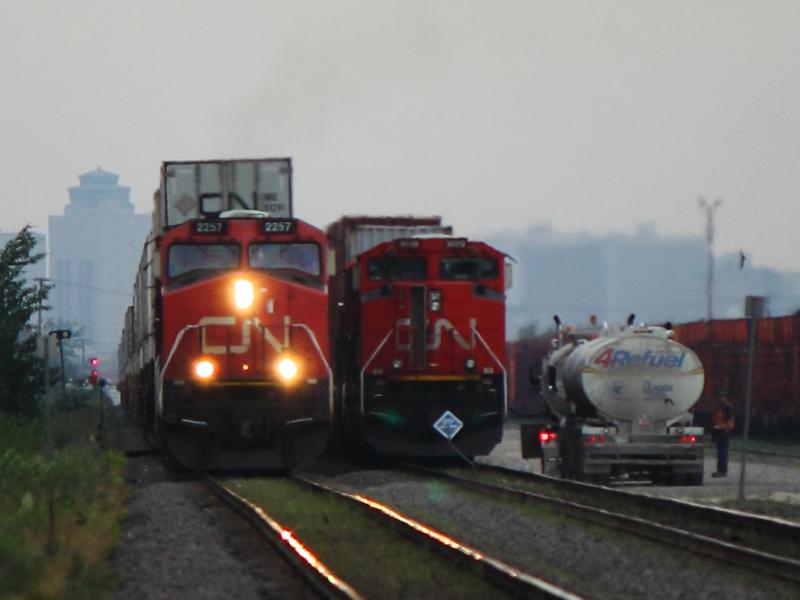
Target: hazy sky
593,116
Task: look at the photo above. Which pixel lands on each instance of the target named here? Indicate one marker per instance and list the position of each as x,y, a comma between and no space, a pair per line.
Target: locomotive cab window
302,258
397,268
190,262
468,268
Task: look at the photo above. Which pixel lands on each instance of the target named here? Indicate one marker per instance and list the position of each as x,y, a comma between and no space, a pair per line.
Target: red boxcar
722,346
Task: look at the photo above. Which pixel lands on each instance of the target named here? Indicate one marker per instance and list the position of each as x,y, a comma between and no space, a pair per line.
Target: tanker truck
621,399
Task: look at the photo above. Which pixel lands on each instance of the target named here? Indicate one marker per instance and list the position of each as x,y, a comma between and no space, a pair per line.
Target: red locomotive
419,338
225,349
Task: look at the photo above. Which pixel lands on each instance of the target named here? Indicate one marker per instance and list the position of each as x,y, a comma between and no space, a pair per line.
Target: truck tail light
545,437
594,439
688,439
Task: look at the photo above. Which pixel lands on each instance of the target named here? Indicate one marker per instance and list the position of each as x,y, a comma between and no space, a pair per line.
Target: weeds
59,513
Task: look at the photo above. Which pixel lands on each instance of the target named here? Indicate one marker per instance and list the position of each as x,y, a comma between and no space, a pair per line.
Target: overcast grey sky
593,116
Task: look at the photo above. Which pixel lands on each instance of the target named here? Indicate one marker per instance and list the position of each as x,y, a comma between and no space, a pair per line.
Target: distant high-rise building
94,250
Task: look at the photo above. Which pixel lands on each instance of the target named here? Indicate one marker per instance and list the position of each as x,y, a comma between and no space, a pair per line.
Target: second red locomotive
419,339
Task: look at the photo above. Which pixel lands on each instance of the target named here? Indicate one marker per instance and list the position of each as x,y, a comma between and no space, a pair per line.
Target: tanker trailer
623,400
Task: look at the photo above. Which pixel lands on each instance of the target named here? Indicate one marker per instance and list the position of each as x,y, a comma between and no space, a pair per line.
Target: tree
20,370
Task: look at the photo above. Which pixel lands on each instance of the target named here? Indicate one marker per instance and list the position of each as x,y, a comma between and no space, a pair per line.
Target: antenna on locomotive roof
631,319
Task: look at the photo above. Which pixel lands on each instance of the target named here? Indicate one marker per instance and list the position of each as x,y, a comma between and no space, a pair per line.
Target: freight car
418,331
225,353
722,346
623,398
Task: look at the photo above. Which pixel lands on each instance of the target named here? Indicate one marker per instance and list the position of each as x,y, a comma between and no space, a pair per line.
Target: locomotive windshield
300,257
188,262
468,268
397,268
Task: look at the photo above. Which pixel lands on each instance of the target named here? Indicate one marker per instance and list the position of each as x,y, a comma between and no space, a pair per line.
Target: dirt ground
767,476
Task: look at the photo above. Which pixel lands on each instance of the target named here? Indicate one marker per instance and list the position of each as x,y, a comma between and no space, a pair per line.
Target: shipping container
197,189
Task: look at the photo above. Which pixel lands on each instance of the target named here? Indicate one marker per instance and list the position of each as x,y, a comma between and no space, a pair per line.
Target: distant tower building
94,251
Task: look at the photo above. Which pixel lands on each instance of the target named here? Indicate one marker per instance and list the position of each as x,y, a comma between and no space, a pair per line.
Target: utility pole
41,281
45,341
753,310
83,342
61,335
710,208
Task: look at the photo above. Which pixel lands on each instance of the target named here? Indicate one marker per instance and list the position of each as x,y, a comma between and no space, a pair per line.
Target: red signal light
94,361
94,376
545,437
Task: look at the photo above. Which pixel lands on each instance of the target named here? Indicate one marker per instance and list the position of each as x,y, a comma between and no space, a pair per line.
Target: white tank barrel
637,373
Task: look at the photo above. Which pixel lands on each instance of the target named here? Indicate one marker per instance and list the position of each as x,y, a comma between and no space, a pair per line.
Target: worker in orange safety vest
723,422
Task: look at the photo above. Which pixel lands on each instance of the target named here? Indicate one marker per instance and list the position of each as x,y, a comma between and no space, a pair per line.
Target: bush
57,511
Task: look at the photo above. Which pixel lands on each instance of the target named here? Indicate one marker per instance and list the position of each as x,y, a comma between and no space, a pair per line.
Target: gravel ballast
587,560
180,541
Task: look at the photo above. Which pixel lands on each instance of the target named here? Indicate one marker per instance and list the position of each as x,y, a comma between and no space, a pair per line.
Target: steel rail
710,514
514,580
762,562
321,579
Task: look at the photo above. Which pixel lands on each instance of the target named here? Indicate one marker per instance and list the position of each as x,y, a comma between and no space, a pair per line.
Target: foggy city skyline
589,118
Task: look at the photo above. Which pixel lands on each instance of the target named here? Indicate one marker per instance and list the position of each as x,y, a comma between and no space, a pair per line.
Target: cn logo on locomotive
247,326
438,327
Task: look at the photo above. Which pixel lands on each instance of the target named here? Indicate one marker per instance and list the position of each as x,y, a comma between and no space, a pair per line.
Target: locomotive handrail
160,380
371,358
502,368
313,337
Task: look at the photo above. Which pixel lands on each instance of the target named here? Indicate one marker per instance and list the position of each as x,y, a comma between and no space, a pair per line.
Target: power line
92,288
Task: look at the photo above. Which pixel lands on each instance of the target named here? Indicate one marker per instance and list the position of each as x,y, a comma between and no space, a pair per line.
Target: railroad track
501,579
770,545
324,582
513,580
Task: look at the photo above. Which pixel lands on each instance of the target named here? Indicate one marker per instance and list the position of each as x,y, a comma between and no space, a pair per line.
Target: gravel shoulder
180,541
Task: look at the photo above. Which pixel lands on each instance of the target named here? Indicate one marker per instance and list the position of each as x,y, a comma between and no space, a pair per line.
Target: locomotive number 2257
278,226
209,227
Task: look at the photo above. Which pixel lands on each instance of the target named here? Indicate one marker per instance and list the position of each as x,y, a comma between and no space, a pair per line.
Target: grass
778,447
373,559
762,506
59,514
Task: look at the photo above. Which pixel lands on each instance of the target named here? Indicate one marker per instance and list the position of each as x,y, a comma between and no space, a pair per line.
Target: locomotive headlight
204,369
243,293
287,369
469,364
435,300
397,364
